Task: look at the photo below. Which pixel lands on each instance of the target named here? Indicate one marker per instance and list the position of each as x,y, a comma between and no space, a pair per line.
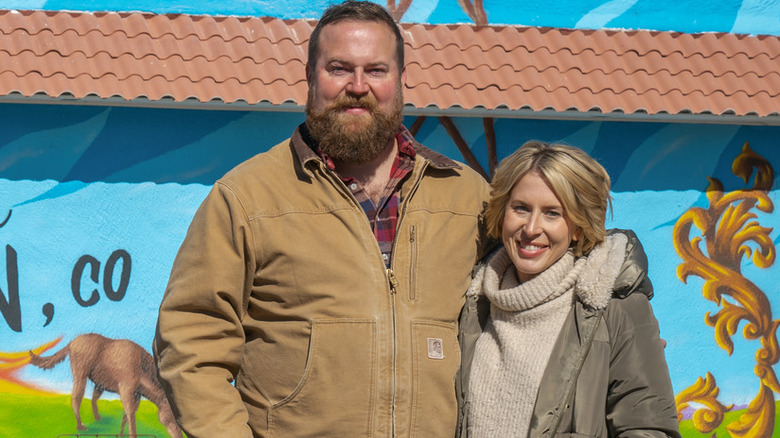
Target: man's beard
354,139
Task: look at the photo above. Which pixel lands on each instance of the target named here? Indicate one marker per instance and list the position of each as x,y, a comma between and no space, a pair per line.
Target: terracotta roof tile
260,60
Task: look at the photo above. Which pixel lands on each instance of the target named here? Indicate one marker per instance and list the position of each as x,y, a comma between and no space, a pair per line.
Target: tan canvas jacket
280,289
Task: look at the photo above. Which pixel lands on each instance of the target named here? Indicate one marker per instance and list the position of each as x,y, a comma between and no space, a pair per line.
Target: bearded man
317,291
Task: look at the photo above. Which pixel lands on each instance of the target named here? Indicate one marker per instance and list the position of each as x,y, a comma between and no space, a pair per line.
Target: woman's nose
533,226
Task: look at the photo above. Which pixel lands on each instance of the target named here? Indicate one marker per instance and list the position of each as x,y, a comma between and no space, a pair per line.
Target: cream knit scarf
525,319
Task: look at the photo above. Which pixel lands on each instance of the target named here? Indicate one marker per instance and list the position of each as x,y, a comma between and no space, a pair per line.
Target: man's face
355,101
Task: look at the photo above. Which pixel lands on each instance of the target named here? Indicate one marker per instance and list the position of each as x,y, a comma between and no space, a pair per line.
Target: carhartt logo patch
435,350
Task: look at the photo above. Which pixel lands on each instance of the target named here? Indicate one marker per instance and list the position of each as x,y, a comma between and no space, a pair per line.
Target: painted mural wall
758,17
94,202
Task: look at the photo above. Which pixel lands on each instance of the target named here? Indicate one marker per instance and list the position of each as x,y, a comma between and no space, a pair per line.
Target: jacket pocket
336,391
412,263
435,362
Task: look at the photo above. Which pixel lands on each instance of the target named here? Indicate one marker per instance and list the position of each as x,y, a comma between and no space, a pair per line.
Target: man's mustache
345,102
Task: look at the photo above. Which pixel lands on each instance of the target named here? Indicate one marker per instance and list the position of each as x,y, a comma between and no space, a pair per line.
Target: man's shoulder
449,167
453,183
269,164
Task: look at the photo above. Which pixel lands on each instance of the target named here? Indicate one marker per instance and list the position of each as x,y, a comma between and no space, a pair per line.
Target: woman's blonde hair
580,183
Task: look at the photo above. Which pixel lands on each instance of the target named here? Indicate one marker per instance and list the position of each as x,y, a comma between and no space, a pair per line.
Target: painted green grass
688,431
29,416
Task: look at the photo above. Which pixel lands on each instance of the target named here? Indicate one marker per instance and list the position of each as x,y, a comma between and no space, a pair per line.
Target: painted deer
115,365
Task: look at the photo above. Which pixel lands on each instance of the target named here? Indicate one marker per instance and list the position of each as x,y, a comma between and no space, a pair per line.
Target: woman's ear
577,235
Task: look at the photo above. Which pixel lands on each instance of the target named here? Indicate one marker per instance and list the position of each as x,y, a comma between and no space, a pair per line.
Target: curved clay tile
180,58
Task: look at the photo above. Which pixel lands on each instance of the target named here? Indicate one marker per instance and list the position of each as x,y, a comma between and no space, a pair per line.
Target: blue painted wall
91,181
693,16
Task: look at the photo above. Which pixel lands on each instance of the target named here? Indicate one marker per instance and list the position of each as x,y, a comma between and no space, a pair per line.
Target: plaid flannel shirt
383,216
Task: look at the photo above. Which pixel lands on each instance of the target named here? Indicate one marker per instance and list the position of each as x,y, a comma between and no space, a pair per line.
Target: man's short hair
352,10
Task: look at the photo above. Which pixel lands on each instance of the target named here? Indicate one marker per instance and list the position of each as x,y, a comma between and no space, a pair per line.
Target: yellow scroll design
705,392
730,232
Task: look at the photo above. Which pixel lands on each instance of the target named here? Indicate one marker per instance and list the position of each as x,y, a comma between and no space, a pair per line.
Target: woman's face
536,231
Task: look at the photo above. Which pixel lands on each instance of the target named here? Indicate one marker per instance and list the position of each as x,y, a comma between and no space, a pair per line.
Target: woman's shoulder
629,313
633,272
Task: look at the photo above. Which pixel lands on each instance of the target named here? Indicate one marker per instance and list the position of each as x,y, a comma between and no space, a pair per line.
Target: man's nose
358,85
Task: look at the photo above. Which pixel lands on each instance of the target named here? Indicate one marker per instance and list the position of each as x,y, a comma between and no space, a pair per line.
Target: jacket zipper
393,282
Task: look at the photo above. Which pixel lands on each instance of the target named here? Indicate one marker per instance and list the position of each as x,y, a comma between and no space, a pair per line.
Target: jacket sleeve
640,399
199,339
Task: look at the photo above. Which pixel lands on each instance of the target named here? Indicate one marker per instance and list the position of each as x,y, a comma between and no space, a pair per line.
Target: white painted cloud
23,4
599,17
420,11
757,17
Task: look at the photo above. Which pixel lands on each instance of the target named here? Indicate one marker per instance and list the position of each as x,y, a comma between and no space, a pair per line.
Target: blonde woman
558,337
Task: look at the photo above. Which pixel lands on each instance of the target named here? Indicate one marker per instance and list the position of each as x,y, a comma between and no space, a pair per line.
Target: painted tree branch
490,142
475,11
398,11
463,147
418,122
